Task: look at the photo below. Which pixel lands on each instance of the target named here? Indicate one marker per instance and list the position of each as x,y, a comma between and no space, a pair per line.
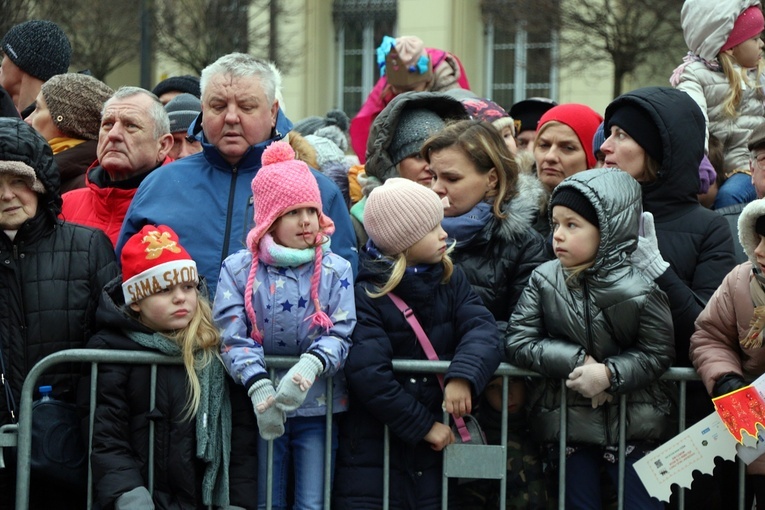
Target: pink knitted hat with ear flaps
284,184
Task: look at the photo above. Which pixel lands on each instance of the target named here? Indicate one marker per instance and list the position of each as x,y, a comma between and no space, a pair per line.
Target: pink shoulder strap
429,352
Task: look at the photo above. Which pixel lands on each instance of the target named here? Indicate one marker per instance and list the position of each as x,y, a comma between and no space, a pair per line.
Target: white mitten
647,258
589,379
294,386
270,417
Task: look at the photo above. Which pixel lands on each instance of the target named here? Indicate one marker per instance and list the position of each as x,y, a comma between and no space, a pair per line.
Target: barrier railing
20,435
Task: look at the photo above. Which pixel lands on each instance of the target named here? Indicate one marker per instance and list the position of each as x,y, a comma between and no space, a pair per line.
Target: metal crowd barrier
19,435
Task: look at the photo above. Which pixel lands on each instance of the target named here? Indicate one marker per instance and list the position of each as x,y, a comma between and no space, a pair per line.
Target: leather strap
430,352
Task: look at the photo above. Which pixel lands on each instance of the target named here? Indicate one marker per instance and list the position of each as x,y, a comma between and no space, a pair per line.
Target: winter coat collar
521,212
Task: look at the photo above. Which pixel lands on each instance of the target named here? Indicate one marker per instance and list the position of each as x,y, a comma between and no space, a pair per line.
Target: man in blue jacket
206,197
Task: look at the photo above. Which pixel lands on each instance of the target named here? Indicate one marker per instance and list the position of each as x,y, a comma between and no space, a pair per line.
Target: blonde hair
733,98
572,273
483,145
199,342
399,266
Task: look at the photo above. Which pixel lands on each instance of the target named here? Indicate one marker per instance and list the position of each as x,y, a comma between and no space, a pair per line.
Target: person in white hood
723,73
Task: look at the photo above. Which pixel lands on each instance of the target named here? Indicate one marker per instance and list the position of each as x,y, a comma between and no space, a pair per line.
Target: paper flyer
736,428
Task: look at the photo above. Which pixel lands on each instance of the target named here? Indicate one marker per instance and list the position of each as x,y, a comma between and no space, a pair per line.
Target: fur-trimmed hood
523,209
379,163
748,238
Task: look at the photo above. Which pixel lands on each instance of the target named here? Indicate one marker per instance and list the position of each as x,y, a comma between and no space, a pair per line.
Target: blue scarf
464,228
377,255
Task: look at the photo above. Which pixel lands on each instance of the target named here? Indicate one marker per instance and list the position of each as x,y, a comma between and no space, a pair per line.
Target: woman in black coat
51,274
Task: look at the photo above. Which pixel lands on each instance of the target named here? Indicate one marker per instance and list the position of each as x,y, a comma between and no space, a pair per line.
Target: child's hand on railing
440,436
457,397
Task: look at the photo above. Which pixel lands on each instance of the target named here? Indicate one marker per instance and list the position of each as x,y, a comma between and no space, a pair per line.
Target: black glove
727,383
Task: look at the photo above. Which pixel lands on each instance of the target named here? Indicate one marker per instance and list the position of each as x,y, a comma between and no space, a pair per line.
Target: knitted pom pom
277,152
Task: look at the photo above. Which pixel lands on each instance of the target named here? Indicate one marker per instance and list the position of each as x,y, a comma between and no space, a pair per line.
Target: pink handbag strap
430,352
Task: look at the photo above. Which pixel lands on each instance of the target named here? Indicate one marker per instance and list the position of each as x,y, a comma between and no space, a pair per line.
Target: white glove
295,384
270,417
600,399
647,258
589,379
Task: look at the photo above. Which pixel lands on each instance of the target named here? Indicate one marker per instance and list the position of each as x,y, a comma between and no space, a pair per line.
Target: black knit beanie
574,200
186,83
636,123
39,48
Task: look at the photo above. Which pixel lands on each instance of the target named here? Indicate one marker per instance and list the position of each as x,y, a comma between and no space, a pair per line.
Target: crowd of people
199,222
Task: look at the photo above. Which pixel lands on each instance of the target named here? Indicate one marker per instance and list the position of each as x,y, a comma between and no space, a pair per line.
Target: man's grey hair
242,65
156,109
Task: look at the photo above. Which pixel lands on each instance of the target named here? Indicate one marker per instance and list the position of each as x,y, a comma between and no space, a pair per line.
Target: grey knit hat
414,127
310,125
183,110
75,102
39,48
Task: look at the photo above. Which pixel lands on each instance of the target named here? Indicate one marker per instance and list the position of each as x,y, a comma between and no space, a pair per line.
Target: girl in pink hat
288,295
723,72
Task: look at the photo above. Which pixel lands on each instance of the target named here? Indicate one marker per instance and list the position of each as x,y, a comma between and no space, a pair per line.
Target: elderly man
33,52
206,197
134,140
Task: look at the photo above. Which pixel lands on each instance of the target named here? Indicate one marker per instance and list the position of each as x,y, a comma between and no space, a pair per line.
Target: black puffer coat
616,315
51,275
500,259
462,330
696,242
121,430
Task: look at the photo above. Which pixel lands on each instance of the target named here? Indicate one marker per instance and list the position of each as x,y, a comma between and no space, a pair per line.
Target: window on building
360,26
522,56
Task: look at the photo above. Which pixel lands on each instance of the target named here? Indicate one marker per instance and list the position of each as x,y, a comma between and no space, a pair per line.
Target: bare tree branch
104,35
630,34
194,33
13,13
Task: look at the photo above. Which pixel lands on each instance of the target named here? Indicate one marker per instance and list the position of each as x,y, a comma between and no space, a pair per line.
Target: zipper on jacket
588,327
229,211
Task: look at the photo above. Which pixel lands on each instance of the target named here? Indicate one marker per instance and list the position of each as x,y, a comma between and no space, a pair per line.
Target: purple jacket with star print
281,299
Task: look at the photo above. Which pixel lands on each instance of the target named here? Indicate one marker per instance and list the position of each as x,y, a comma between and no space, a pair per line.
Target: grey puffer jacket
709,89
614,314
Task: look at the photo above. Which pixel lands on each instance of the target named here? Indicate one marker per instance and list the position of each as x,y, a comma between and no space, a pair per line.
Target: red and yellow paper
741,411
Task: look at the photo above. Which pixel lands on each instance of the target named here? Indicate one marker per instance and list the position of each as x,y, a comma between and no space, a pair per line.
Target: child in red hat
288,295
156,307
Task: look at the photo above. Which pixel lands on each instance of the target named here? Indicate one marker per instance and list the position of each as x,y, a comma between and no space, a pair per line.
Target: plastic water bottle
45,393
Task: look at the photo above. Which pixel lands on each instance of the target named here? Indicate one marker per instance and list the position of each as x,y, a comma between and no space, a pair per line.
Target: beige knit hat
75,102
399,213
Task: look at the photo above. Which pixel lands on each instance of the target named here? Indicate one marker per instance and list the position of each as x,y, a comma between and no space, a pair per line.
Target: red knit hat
749,24
153,260
284,184
581,118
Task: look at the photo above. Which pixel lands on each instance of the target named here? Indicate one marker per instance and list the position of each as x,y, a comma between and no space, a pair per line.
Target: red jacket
100,205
